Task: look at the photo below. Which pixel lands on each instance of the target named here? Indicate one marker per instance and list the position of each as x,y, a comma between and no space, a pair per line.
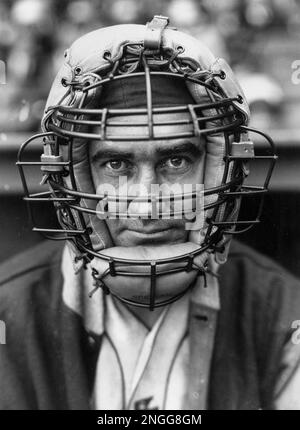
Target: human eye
177,163
116,165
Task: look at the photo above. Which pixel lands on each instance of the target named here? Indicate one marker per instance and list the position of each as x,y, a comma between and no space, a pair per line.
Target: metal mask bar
152,285
244,191
148,98
247,191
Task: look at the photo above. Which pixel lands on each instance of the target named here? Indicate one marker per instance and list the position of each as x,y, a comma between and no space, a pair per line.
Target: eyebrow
174,149
180,148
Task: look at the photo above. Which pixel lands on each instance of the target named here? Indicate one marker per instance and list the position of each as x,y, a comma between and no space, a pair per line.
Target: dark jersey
49,360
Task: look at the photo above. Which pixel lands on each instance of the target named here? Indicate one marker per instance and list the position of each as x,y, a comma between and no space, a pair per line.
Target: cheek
197,173
104,182
113,225
95,172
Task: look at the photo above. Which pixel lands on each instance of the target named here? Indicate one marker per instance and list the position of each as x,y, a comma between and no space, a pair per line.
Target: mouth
149,231
150,234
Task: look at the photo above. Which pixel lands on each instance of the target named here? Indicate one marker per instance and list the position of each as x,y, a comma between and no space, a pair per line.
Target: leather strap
204,314
154,30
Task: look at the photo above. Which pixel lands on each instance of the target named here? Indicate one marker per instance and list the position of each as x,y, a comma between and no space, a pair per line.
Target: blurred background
259,38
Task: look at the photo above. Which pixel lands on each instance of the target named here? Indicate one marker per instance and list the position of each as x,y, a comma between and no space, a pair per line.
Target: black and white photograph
149,207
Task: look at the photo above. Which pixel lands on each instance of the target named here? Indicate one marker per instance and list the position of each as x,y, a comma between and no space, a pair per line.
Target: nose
141,205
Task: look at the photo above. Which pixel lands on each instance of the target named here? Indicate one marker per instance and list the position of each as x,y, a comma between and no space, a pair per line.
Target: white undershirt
137,367
142,368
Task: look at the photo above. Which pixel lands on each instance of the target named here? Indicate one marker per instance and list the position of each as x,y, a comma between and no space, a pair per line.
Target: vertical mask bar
194,119
149,99
103,124
152,285
112,270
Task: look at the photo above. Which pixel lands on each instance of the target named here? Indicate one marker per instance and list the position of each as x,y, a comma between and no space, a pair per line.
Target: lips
149,236
150,230
134,232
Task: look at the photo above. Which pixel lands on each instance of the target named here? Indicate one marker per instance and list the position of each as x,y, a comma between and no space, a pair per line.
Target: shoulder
30,309
30,278
249,262
259,285
40,256
240,252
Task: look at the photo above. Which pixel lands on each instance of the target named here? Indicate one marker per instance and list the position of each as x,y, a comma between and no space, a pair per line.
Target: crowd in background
258,38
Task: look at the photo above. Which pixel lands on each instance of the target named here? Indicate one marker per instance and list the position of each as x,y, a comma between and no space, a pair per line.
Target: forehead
140,125
147,148
129,132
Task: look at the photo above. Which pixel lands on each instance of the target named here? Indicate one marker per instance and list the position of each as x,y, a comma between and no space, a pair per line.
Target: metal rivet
240,99
106,55
222,75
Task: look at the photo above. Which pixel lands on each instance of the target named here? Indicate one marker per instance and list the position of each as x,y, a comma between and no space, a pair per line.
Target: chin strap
221,254
204,311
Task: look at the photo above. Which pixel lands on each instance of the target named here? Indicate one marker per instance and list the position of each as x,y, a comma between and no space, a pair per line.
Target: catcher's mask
147,276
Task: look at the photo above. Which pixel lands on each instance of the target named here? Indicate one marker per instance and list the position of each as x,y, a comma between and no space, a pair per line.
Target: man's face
173,161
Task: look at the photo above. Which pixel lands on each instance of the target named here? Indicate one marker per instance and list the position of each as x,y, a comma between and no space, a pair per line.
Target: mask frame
63,124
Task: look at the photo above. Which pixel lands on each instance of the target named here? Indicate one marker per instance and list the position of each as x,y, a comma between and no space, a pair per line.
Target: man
146,150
